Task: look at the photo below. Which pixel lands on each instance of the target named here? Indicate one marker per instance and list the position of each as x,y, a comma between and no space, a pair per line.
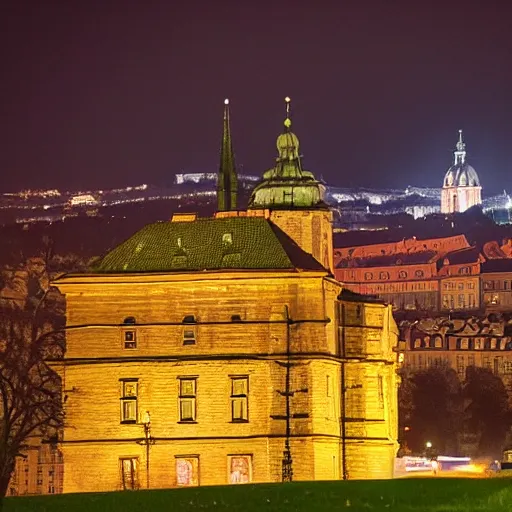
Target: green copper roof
207,244
288,185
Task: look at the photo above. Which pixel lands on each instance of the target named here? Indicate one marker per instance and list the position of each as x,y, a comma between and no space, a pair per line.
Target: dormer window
129,334
402,274
189,330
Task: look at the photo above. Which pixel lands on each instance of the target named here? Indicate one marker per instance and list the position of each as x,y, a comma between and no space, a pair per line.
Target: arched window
368,276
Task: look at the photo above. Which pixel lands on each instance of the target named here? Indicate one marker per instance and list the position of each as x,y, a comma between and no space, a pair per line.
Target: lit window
187,470
239,399
240,469
189,330
129,400
187,399
507,367
129,477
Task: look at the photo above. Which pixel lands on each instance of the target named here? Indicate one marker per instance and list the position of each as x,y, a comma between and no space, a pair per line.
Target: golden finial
287,121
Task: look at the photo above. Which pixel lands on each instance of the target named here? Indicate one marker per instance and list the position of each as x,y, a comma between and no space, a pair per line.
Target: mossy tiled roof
207,244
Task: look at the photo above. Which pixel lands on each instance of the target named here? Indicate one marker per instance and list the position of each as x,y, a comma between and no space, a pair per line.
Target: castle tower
296,199
461,186
227,183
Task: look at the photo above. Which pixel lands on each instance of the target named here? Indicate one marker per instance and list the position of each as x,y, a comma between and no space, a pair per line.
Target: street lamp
428,444
146,424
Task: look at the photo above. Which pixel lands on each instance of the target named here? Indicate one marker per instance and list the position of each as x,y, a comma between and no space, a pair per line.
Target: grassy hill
414,494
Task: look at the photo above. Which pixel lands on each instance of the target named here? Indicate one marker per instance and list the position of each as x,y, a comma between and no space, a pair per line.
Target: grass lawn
412,494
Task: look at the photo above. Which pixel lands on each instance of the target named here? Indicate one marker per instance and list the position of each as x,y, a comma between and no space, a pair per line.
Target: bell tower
295,198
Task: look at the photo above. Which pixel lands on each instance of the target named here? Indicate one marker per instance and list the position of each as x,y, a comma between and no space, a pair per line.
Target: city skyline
99,98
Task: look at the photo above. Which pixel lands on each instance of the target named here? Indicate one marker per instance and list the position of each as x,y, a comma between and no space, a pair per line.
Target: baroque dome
461,174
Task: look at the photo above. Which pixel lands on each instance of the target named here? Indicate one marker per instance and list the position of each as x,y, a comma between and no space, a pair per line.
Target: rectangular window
129,400
507,367
129,477
130,339
461,370
461,303
187,470
239,399
189,335
187,398
239,469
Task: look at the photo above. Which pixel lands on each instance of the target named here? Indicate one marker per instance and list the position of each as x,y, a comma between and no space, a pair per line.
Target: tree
436,409
487,413
30,395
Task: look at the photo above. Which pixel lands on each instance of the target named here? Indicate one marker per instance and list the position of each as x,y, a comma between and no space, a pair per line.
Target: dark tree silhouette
487,413
436,409
30,395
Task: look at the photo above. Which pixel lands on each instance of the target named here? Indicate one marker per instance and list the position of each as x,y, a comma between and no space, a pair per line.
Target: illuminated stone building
461,185
214,351
408,281
496,284
412,274
484,341
459,274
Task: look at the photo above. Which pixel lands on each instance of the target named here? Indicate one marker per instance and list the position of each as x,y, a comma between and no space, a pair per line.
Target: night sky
106,94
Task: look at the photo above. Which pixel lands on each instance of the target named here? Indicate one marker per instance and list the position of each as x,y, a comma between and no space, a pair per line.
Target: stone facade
240,331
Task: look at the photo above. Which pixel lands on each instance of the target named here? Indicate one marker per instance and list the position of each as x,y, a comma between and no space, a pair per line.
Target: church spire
227,183
460,151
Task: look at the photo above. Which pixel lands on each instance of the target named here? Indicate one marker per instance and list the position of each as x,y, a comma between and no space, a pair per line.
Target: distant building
461,185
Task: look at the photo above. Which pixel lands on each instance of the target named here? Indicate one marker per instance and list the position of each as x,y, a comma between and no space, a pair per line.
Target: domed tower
295,198
461,186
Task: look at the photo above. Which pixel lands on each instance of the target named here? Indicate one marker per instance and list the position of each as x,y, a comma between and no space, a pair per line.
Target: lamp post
146,424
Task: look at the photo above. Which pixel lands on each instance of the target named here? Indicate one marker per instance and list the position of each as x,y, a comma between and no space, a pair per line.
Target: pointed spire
227,184
460,151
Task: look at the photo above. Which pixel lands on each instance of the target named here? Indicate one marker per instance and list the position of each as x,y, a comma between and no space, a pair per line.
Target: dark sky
104,94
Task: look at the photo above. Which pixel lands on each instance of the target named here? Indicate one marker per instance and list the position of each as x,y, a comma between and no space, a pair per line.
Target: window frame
239,397
124,399
134,471
189,331
127,343
187,397
196,477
